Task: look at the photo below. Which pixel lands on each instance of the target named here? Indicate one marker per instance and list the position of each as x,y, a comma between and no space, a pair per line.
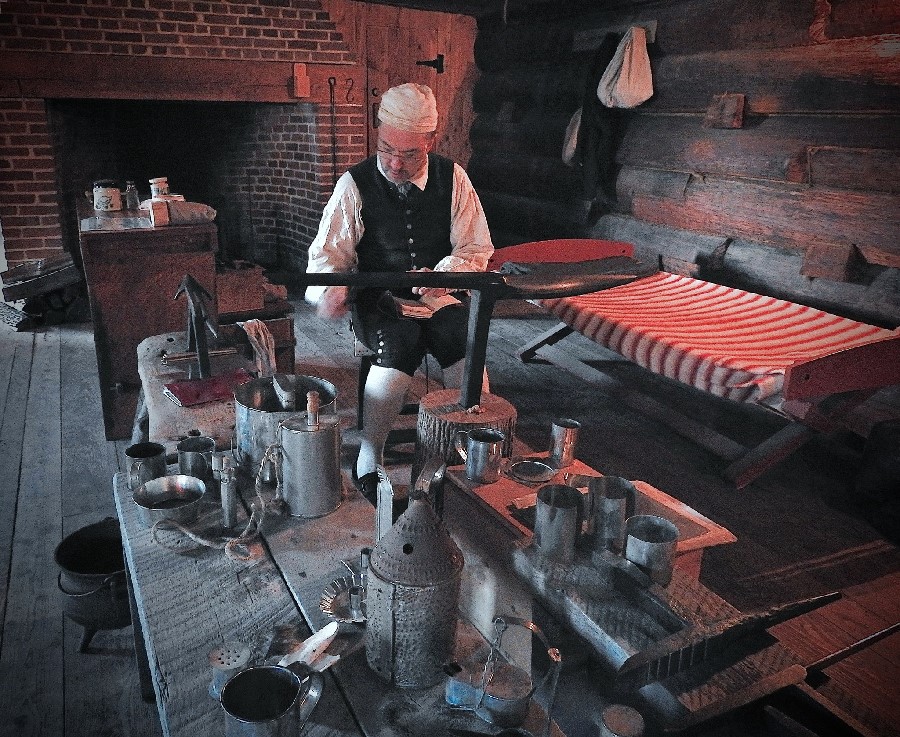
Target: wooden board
193,598
34,618
779,215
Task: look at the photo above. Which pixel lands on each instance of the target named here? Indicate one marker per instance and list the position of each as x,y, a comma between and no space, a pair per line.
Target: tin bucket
258,414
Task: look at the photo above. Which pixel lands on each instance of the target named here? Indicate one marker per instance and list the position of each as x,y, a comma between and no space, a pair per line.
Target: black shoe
368,487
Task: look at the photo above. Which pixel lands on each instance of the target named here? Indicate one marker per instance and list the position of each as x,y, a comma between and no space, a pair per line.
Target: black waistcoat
403,234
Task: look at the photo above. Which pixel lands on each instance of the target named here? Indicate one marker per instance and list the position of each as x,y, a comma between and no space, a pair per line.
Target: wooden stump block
441,416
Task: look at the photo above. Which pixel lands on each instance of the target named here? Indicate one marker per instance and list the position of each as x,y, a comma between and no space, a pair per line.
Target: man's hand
333,302
429,291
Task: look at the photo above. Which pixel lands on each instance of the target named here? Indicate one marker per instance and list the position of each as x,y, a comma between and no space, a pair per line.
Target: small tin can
159,186
107,196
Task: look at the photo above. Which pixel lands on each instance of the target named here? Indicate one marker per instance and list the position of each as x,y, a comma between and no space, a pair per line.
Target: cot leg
768,453
528,351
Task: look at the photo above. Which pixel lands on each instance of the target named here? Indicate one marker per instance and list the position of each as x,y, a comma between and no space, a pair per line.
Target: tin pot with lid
310,461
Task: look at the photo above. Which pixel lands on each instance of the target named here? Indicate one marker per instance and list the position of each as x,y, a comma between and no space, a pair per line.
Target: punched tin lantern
412,595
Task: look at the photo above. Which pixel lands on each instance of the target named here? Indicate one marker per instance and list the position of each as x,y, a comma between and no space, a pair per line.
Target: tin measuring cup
650,544
612,500
270,700
482,452
563,439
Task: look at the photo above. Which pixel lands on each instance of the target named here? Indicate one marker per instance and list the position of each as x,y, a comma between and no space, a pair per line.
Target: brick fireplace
230,101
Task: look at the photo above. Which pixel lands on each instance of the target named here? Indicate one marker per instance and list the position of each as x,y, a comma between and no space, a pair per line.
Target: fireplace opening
253,162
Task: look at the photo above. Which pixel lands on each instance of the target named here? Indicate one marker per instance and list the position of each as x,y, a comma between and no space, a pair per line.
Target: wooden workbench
191,598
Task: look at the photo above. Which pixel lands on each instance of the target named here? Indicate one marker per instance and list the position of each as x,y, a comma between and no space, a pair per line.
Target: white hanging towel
627,81
263,346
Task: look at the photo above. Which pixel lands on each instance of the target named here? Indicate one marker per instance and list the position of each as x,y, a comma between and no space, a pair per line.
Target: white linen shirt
341,228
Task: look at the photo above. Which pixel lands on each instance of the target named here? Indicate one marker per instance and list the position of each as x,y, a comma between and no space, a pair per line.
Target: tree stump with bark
441,416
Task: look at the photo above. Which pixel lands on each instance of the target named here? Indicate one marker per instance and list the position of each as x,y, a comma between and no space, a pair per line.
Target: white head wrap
409,107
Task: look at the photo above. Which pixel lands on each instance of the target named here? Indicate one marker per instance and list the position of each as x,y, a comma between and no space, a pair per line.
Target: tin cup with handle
195,458
146,461
270,700
650,544
482,451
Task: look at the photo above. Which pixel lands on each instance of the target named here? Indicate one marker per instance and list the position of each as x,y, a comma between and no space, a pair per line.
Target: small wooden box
240,289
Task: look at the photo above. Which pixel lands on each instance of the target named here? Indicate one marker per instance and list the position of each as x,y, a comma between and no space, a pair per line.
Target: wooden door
398,38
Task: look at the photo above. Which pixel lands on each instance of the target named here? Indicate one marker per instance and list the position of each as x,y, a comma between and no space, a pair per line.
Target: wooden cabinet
132,276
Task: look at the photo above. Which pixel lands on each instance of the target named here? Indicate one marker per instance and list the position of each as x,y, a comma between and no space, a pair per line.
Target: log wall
809,167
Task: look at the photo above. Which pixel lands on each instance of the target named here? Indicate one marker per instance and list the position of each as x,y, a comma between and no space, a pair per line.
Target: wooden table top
193,598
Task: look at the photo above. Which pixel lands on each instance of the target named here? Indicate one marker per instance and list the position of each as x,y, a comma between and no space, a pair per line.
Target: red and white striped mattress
725,341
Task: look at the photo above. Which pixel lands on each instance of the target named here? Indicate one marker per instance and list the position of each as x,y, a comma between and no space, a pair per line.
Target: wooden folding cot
811,366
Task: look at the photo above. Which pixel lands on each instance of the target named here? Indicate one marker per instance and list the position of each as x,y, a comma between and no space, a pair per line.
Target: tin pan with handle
499,693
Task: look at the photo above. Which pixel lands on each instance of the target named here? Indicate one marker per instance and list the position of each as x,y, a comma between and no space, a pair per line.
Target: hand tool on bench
198,320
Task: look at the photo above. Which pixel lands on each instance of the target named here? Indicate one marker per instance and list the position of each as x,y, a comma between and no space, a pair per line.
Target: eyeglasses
407,157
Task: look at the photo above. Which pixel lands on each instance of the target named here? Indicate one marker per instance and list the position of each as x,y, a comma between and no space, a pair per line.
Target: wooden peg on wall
725,111
302,87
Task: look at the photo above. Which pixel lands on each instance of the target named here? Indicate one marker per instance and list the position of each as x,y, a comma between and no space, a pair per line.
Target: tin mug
612,500
146,461
482,452
619,720
558,519
563,439
195,457
270,700
650,544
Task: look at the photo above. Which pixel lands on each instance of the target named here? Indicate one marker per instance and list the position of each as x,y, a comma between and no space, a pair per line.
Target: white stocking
453,376
383,398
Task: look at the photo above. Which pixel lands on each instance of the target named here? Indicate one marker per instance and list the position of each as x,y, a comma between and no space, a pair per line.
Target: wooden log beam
756,267
854,168
853,75
772,147
783,216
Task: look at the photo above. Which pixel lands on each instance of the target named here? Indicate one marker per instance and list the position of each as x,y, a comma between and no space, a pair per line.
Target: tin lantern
412,593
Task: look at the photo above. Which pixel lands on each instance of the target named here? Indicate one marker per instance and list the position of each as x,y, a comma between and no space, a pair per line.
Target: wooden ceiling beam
96,76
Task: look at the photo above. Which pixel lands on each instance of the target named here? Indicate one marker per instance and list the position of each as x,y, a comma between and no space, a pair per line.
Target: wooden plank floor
800,530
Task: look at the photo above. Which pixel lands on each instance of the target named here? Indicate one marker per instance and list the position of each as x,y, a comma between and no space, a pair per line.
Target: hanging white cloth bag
627,81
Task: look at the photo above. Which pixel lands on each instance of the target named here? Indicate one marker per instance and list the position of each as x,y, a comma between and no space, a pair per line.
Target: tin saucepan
175,498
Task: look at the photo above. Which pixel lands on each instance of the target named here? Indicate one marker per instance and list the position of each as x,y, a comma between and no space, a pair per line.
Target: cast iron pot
92,579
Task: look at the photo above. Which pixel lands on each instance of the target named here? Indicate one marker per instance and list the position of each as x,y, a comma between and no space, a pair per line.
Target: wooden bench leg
140,649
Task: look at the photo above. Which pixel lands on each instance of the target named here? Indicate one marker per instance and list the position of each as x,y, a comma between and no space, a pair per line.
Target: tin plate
531,471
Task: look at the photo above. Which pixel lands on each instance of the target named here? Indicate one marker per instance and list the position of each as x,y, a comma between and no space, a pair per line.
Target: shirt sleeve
333,250
470,238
